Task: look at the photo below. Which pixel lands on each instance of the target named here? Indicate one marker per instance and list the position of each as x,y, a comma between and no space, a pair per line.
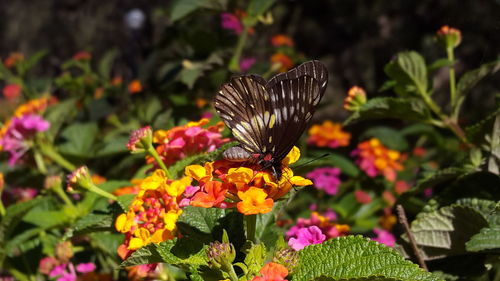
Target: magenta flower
307,236
85,267
326,178
20,129
246,63
188,194
20,194
231,22
384,237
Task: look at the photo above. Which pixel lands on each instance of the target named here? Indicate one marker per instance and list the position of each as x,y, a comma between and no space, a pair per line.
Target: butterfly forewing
243,105
269,117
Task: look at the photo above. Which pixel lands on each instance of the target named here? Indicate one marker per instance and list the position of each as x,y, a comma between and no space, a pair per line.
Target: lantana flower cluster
25,123
315,230
376,159
183,141
153,214
225,184
328,134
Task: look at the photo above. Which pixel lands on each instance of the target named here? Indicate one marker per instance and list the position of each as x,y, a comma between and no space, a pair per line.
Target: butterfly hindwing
269,117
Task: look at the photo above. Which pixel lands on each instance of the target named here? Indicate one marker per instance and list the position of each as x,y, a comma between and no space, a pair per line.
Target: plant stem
39,161
232,274
93,188
64,197
234,63
151,151
453,90
50,152
404,221
2,208
251,222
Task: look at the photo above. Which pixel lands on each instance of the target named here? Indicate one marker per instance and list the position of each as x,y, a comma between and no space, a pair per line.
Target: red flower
11,91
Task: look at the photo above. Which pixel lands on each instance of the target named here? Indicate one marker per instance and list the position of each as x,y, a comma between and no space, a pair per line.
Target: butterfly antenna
312,160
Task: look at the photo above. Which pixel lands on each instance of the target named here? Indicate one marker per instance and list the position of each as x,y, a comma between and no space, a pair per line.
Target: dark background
354,38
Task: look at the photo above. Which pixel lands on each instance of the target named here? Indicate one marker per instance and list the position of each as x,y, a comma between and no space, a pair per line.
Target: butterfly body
268,117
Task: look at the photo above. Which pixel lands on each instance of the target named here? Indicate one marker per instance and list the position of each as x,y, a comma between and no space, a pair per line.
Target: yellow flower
253,201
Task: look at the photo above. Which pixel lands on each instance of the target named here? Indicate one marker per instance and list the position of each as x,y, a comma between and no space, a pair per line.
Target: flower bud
140,140
221,255
52,182
287,257
79,178
64,252
356,97
449,37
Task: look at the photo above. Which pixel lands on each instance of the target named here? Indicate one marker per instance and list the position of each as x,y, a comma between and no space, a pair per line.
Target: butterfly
268,117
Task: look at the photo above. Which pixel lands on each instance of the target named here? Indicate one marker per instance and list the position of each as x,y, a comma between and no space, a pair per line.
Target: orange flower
135,87
272,272
201,102
98,93
375,159
328,134
281,61
97,179
247,186
254,202
388,220
13,59
281,40
34,106
213,195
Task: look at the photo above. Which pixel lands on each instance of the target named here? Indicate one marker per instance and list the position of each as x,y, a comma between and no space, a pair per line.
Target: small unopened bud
79,178
52,182
64,252
356,97
140,140
449,37
287,257
221,255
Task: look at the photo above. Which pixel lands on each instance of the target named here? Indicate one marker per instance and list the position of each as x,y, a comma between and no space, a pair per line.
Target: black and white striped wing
244,106
294,96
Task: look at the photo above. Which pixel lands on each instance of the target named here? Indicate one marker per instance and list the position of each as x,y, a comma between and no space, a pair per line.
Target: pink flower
307,236
19,130
11,91
384,237
246,64
47,264
324,222
85,267
362,197
188,195
20,194
326,179
231,22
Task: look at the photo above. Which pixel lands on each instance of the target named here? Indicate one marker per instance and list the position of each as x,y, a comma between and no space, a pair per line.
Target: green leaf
92,222
33,59
477,131
47,218
13,216
391,138
79,139
387,107
115,146
57,114
106,63
409,72
444,232
487,208
355,257
176,252
487,239
182,8
471,78
333,159
201,219
125,200
259,7
438,177
440,63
